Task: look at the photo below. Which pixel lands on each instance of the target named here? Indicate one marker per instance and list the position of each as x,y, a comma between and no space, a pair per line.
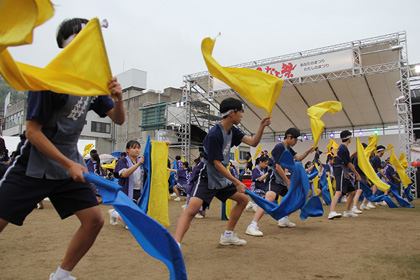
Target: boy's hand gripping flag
259,88
316,112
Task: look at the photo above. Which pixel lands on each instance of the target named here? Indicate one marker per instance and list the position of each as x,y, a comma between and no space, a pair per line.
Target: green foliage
5,89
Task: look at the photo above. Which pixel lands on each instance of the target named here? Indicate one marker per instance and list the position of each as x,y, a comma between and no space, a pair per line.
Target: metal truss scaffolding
384,57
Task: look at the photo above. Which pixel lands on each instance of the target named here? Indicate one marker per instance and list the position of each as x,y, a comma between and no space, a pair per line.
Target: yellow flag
315,181
389,148
228,209
158,200
316,112
261,89
373,141
19,18
87,149
110,165
82,68
403,160
257,152
366,167
237,157
400,169
332,144
330,187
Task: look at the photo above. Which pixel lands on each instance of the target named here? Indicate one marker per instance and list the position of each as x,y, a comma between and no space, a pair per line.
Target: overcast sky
163,38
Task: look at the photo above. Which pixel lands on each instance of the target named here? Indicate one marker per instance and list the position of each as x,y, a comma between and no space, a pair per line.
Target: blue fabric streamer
376,198
144,198
313,174
394,189
312,208
295,197
407,192
151,236
324,190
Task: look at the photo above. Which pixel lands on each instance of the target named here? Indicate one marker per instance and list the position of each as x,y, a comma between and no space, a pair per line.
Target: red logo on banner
286,70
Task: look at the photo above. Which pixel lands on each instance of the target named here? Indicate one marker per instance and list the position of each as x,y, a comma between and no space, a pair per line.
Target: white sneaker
177,199
382,203
184,207
356,211
233,240
198,216
249,206
344,199
253,231
285,222
112,221
350,214
370,205
254,207
67,278
173,194
363,207
334,215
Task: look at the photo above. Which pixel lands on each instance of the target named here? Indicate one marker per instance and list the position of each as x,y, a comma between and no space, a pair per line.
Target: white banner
303,67
314,65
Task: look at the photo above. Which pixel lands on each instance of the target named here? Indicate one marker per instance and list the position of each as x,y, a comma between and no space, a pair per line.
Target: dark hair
262,159
123,154
380,147
132,144
96,158
329,157
197,160
178,158
307,164
185,163
93,151
344,135
3,149
293,132
69,27
169,163
230,104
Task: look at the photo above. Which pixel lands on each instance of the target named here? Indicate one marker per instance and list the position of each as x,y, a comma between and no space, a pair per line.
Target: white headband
71,37
345,138
231,110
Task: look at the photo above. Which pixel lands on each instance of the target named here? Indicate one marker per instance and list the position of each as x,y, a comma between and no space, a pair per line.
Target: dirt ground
381,244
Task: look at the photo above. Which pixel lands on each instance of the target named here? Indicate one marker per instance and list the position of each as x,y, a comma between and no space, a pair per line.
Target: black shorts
277,188
202,191
19,195
342,184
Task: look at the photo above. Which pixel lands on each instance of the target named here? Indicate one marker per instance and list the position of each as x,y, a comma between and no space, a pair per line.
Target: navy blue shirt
213,142
278,150
376,163
343,155
42,103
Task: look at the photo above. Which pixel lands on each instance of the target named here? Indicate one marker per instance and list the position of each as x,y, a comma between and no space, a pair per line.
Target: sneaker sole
227,244
255,235
335,217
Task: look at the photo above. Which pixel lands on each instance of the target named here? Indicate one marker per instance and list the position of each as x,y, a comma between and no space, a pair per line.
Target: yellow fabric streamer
158,198
316,112
261,89
315,181
87,149
366,167
257,152
400,169
81,68
237,157
19,18
110,165
330,186
373,141
403,161
332,144
389,148
228,209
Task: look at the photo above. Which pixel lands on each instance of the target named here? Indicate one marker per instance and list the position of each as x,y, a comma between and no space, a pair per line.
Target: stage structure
370,77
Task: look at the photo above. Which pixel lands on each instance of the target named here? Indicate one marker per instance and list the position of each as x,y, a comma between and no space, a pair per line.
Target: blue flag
407,192
144,198
400,200
151,236
376,198
312,208
324,190
295,197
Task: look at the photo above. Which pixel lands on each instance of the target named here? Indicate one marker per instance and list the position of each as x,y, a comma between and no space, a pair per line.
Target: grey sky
164,37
